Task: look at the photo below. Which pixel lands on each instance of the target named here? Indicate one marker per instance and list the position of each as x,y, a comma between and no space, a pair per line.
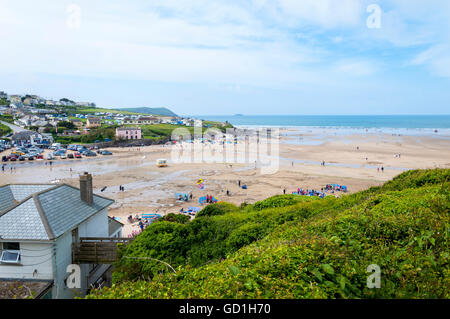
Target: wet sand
149,189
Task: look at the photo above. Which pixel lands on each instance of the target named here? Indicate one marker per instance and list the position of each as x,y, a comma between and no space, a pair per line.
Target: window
11,246
10,253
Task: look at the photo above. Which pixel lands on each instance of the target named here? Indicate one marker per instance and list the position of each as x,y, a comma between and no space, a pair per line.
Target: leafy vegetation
7,118
4,130
284,248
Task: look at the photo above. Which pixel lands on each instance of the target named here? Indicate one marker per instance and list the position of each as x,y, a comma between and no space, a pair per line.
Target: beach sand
149,189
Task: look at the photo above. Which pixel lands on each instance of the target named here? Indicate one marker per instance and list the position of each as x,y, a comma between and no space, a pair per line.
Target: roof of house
23,135
113,225
128,128
43,212
24,288
147,118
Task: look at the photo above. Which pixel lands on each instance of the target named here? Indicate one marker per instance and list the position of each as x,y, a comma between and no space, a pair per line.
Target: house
39,225
15,99
129,133
33,138
93,122
77,123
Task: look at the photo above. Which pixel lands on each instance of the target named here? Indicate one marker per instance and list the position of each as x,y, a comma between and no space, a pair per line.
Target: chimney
86,192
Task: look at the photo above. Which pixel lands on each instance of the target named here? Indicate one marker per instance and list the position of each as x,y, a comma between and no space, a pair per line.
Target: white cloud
436,58
356,68
327,13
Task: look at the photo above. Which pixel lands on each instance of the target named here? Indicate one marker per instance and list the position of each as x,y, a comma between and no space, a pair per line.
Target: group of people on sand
382,169
12,168
309,192
209,199
185,197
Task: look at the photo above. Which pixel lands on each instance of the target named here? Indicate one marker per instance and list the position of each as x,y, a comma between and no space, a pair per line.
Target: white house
39,223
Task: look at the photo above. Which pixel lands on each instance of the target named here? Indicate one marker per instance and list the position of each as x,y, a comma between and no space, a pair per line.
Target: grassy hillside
300,247
4,129
162,111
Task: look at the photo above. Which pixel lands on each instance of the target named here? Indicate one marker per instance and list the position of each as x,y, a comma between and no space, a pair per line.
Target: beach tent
244,187
182,196
151,216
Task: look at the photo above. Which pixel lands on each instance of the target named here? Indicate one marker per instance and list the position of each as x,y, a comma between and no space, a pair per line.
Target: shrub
280,201
217,209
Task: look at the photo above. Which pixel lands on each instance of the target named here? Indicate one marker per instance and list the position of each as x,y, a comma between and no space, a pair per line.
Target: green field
94,110
292,246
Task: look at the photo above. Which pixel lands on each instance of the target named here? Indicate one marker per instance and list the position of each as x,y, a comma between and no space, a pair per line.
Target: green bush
176,218
217,209
4,130
280,201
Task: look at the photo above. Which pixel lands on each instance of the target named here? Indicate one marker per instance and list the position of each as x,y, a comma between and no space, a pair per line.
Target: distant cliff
149,110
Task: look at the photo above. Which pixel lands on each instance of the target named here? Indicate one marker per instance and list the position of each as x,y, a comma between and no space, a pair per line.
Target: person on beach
382,168
239,183
284,191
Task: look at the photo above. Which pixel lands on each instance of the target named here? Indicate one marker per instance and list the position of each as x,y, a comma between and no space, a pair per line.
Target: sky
209,57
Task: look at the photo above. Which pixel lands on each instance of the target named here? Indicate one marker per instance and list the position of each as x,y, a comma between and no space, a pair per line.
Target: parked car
106,153
50,156
63,156
90,154
77,155
39,156
31,158
70,155
21,158
5,158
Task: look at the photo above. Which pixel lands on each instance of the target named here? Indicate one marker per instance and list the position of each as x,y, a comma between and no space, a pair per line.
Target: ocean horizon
336,121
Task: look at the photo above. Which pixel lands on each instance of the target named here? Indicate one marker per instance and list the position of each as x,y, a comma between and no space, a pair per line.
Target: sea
321,127
344,121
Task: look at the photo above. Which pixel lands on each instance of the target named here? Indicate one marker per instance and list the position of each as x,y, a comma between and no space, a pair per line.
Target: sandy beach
351,160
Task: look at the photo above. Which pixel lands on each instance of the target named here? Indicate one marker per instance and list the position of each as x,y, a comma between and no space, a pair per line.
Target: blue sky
225,57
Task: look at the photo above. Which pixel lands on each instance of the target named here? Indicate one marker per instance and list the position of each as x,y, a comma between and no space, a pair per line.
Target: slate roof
44,212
